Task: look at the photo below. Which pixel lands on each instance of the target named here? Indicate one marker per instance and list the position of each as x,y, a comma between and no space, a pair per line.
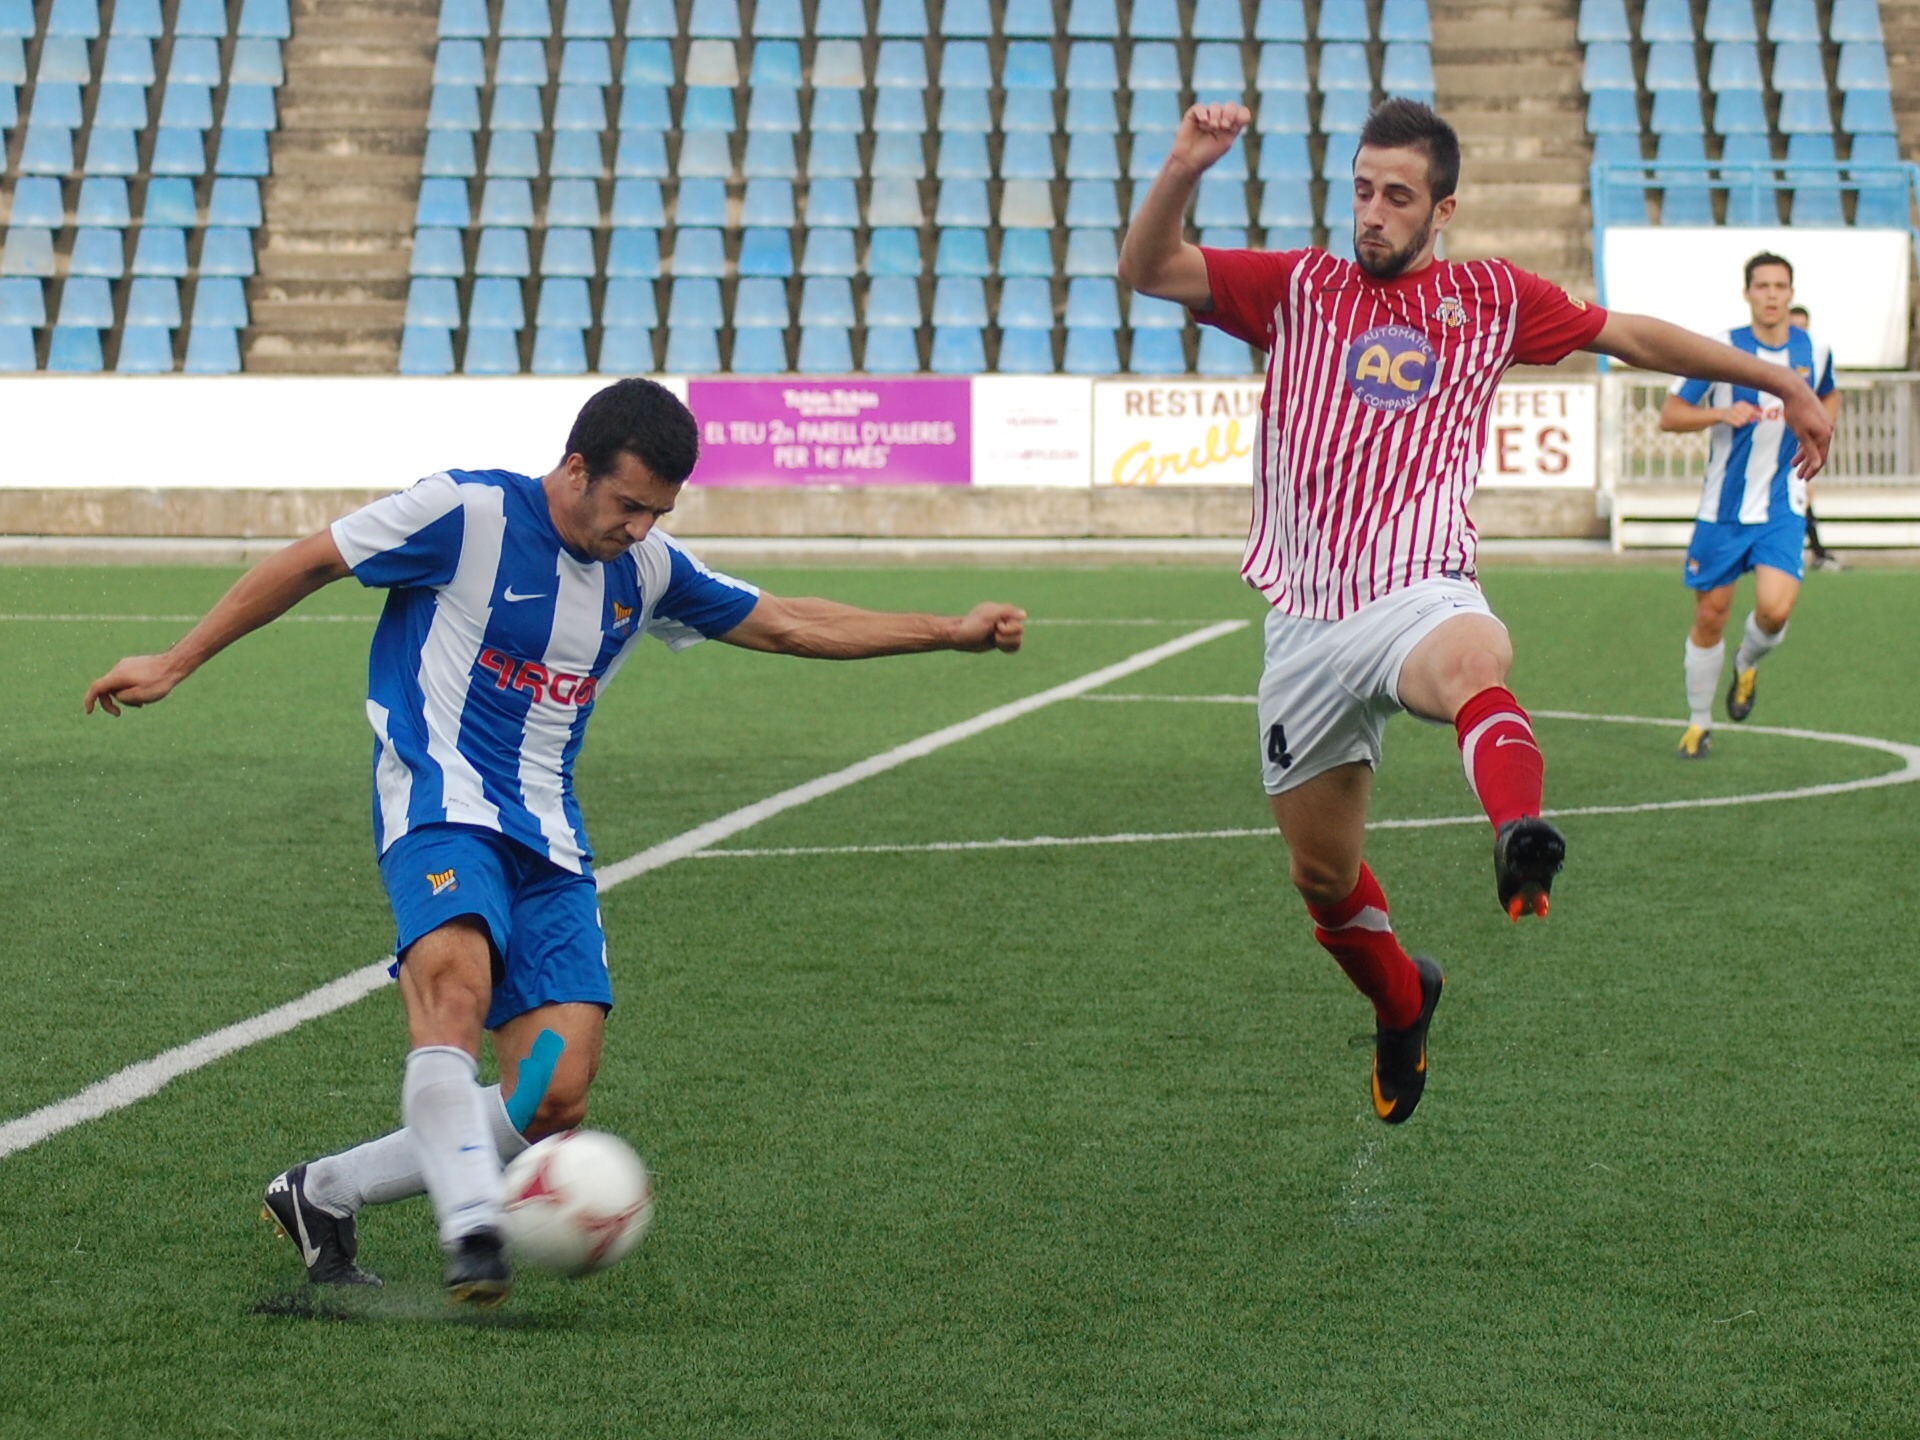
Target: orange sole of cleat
1527,905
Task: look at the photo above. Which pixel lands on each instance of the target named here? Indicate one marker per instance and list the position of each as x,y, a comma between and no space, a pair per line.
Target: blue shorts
548,944
1721,553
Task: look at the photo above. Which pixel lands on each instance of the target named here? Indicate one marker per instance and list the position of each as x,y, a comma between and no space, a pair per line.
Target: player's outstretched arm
1155,258
1650,344
1679,417
264,593
827,630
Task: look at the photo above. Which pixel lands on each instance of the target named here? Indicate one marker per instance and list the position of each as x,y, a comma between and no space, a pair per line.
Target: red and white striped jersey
1375,413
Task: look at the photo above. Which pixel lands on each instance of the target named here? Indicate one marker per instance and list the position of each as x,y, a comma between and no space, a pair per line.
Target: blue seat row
1733,65
202,19
129,61
1788,22
144,350
101,251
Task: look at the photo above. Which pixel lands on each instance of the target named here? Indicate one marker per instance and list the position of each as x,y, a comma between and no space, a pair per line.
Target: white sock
385,1170
1703,681
1756,646
446,1119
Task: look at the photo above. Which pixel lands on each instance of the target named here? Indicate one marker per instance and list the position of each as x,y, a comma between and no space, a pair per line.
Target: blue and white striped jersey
493,646
1759,456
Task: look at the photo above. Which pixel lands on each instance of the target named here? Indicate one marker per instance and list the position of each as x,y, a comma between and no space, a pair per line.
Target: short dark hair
1409,125
642,418
1767,257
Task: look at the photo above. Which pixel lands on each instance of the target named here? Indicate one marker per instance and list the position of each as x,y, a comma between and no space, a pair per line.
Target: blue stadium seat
496,305
1407,22
235,201
837,64
1221,354
773,109
144,350
1815,195
962,252
706,107
503,253
491,351
567,252
1285,157
79,17
1854,21
505,202
1091,112
766,252
227,250
1613,112
1797,66
958,350
1026,351
459,62
1733,67
962,203
1155,20
98,251
1344,67
512,154
213,350
219,301
1731,20
761,303
112,150
959,300
1344,20
1280,20
1091,66
1686,199
1282,67
1668,21
525,20
705,154
1739,112
155,303
898,156
37,203
1029,66
894,202
1677,112
64,60
1218,67
968,18
964,66
75,350
1027,17
837,110
520,62
1027,205
634,254
160,250
1407,70
1027,111
1344,112
768,202
1863,66
695,303
437,252
693,351
1093,19
833,155
578,155
1026,253
1608,66
586,62
903,17
1883,201
1026,303
1670,65
716,19
86,300
16,348
1867,112
832,203
28,252
1157,112
1286,203
902,65
588,20
963,157
128,61
699,252
102,202
825,300
242,152
1093,303
629,303
642,154
1793,21
453,107
644,107
770,158
626,350
778,20
580,107
1147,313
57,106
653,19
559,350
637,203
1805,112
893,252
1092,252
1337,161
900,111
647,62
265,20
894,300
464,19
894,350
1091,351
1750,194
1158,352
1221,201
1094,157
701,202
430,302
1218,20
1092,203
825,350
1155,66
132,18
1283,113
775,62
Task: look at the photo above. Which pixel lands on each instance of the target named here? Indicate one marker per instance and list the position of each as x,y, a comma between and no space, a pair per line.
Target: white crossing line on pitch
1184,699
136,1082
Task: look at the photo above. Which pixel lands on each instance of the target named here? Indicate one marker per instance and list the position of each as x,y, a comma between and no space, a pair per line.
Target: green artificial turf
1022,1142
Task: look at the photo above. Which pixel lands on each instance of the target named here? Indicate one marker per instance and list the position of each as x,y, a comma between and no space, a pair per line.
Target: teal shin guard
536,1074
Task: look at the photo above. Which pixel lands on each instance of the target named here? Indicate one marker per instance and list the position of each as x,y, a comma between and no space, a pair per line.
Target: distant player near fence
1380,377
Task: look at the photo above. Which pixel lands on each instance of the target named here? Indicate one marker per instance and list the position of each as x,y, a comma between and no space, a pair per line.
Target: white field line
1906,775
136,1082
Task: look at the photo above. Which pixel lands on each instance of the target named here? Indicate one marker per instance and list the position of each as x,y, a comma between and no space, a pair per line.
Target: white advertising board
1853,282
1543,436
1175,432
1032,430
270,432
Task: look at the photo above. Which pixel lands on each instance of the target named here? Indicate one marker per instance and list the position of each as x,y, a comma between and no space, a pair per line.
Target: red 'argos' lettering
501,665
532,676
542,683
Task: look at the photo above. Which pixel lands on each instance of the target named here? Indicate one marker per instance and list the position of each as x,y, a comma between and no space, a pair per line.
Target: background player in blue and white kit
512,602
1753,507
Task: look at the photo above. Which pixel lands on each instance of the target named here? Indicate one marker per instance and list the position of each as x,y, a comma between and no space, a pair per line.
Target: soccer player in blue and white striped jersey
511,603
1753,507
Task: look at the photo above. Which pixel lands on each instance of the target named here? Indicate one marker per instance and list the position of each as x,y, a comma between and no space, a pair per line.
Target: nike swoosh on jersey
1513,740
507,594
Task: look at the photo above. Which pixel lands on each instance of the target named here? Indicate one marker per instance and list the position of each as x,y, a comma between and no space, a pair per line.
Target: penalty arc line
138,1081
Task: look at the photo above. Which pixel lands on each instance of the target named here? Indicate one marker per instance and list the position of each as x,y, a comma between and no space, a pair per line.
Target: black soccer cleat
1400,1056
1742,692
328,1243
477,1270
1527,854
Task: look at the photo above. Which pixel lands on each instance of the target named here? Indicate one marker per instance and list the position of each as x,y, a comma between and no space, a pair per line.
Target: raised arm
1650,344
264,593
1155,258
1681,417
827,630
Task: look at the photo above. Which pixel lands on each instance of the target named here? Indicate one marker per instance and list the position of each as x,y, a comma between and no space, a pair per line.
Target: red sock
1358,933
1502,759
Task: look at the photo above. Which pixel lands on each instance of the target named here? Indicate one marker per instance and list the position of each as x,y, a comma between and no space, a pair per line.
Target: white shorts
1330,685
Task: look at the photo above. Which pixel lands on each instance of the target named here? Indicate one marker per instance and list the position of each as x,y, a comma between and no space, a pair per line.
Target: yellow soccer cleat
1697,743
1740,694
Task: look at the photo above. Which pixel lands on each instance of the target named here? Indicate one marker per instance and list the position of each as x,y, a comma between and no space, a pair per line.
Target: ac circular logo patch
1391,367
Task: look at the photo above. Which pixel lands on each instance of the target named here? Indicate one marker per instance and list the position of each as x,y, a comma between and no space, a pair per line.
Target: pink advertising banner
833,432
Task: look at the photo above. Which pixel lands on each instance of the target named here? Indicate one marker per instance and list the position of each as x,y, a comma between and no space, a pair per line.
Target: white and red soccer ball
577,1202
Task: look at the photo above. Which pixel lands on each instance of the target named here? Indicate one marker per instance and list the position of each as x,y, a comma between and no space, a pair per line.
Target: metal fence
1876,442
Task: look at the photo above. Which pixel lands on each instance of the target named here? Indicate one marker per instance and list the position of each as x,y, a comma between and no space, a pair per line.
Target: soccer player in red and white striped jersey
1380,376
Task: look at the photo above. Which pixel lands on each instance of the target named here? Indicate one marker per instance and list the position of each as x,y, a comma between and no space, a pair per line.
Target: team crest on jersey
1450,312
442,881
622,615
1391,367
